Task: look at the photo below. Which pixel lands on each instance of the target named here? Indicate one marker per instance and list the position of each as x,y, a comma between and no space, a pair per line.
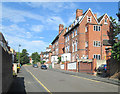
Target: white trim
86,14
104,16
95,43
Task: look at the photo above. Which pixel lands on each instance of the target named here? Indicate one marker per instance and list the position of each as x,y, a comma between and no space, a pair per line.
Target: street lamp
19,53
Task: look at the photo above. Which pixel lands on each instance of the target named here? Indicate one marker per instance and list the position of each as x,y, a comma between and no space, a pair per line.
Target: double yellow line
39,82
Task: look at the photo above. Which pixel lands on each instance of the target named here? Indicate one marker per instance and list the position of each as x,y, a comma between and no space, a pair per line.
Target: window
86,44
88,19
86,29
68,37
73,34
78,19
96,43
76,46
96,28
73,46
68,48
105,20
96,56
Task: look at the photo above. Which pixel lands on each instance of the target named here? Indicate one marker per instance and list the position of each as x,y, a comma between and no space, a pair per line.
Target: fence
6,71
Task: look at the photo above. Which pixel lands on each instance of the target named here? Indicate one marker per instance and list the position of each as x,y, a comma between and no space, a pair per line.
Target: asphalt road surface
38,80
54,81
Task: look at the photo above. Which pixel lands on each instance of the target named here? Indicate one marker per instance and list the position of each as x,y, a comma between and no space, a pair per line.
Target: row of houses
86,38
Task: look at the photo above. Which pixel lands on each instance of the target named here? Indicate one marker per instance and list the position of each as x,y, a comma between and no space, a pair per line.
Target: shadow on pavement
17,86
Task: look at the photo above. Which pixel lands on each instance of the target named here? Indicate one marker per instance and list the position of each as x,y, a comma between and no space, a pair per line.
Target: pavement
24,83
35,80
92,77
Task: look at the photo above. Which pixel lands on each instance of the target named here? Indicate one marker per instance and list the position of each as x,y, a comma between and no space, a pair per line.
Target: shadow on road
17,86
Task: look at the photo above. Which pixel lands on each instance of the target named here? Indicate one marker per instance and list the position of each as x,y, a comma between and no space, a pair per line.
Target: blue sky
34,25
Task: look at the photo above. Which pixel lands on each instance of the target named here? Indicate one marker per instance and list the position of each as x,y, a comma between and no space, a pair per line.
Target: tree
59,60
116,47
35,57
115,27
24,57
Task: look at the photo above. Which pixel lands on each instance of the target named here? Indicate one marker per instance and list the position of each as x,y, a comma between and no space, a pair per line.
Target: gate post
94,66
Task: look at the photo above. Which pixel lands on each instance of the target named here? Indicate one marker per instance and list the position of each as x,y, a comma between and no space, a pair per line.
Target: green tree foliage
116,51
35,57
59,60
116,47
24,58
115,27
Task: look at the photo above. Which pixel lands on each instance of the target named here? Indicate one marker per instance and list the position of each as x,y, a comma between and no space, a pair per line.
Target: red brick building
86,38
46,56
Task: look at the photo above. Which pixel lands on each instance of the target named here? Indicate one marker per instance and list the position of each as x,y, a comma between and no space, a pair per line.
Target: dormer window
88,18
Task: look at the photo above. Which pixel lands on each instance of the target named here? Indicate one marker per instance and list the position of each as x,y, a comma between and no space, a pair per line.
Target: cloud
54,21
17,16
53,6
15,30
31,46
41,37
37,28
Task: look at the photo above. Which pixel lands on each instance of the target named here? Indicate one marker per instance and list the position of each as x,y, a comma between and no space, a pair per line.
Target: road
38,80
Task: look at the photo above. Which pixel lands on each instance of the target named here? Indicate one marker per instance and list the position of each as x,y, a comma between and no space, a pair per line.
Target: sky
34,25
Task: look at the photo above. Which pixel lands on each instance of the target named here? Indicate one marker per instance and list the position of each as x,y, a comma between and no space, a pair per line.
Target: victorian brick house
86,38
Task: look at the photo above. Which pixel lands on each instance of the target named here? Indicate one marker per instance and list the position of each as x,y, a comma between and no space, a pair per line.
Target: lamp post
19,53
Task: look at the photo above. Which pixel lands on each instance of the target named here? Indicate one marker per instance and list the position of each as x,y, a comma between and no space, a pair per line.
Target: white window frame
95,43
76,45
68,37
105,20
86,44
97,56
96,28
73,34
90,18
86,29
73,47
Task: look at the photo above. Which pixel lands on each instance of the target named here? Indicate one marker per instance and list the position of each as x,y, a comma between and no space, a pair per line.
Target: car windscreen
43,65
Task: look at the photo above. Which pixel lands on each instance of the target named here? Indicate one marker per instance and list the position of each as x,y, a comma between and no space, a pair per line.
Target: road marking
85,78
39,82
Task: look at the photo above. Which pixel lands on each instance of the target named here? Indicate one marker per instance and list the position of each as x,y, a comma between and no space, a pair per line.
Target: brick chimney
79,12
95,15
61,27
50,46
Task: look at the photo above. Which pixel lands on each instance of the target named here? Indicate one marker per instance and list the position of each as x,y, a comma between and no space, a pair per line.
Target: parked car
43,67
35,65
102,70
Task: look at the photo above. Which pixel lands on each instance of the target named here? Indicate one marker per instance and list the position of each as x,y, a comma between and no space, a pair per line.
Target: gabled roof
83,16
99,19
86,14
55,39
